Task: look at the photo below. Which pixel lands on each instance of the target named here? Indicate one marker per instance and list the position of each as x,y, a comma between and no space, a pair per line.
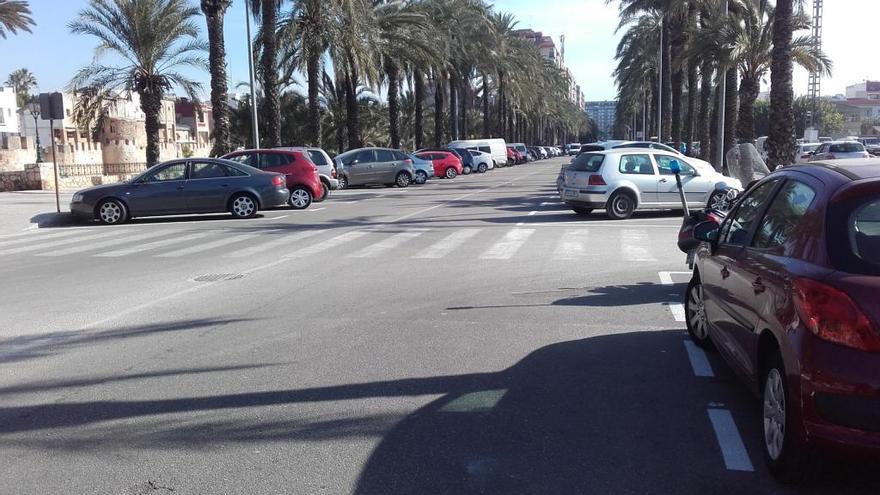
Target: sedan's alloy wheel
421,177
697,312
774,414
451,173
299,198
110,212
403,179
243,206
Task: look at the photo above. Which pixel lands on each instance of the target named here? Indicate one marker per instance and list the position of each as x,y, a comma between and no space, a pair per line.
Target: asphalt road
467,336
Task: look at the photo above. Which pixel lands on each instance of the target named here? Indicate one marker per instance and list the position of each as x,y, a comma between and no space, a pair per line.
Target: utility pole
254,125
660,87
722,103
814,89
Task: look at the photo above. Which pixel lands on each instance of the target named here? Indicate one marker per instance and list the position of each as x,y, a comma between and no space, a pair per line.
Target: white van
495,147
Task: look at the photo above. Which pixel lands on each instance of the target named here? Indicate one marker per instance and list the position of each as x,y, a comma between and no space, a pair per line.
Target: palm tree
214,11
153,39
781,140
15,15
22,82
267,13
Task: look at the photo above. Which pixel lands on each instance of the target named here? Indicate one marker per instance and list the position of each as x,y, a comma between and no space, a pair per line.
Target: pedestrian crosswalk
488,244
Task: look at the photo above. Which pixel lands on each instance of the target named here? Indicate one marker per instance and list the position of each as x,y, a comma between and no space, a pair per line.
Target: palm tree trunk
393,73
691,107
486,130
438,110
453,108
713,127
501,116
214,13
781,139
677,92
463,96
667,83
271,119
351,109
419,83
151,105
748,93
730,111
313,74
703,130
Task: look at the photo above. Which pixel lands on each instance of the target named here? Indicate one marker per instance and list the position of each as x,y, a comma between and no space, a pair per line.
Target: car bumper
840,396
83,211
581,197
334,183
276,197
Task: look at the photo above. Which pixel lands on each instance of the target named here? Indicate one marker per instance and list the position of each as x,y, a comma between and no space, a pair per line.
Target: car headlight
78,198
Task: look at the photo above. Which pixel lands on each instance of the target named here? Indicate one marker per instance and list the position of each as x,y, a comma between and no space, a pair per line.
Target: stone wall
15,152
28,179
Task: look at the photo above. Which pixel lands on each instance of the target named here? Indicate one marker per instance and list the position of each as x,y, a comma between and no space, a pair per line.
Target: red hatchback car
514,156
787,289
445,163
302,176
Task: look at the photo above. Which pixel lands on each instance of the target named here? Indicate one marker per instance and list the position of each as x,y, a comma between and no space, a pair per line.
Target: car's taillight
596,180
278,180
829,313
333,172
407,162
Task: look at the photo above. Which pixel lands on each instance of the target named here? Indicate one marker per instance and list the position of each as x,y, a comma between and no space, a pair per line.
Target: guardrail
93,169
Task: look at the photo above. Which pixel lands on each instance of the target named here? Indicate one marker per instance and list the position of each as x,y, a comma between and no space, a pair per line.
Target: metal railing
93,169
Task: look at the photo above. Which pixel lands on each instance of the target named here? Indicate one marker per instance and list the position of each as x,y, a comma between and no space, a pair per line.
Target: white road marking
676,308
317,209
198,248
112,242
386,244
150,245
282,240
509,245
37,237
275,218
447,245
328,244
732,448
53,244
573,245
699,361
632,244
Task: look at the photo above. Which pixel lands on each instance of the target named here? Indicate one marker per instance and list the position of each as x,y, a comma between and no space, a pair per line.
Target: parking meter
676,169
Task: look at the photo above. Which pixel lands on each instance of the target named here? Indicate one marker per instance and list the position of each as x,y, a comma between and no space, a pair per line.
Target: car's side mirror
707,231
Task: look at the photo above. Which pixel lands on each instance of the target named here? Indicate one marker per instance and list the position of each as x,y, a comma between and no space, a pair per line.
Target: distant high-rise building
603,112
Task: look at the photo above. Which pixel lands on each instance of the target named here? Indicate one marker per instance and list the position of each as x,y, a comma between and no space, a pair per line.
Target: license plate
571,193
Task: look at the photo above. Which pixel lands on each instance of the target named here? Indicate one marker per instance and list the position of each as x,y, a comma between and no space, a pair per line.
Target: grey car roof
854,168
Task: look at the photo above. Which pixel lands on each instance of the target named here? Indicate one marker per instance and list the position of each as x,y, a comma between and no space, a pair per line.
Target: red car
301,174
786,289
445,163
514,156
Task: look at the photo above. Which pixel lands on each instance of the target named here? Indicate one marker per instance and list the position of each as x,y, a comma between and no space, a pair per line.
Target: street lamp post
254,125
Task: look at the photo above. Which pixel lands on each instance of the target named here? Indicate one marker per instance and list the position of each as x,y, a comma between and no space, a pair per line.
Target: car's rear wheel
482,168
580,210
719,201
788,460
466,170
243,206
421,177
325,192
300,198
621,206
403,179
695,314
112,212
450,173
343,182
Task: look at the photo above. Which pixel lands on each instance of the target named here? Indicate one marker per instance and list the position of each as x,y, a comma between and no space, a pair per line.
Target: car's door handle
180,188
224,185
758,286
725,272
662,180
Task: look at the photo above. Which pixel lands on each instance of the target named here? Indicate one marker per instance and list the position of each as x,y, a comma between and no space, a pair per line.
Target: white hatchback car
624,180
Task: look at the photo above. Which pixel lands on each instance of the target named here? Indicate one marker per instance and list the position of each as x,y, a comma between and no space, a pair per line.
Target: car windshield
846,148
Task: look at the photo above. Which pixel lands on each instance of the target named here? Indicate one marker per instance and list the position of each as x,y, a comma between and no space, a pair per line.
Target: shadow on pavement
607,296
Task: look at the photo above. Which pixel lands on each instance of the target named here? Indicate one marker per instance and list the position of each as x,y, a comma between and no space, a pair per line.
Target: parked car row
246,181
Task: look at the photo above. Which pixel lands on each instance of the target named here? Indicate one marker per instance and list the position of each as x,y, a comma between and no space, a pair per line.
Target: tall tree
153,39
270,115
214,11
22,82
15,15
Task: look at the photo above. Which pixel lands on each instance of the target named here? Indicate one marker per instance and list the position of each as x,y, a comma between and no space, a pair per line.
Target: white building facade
8,112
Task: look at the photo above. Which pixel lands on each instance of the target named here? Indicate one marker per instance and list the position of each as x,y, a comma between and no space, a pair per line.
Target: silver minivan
624,180
364,166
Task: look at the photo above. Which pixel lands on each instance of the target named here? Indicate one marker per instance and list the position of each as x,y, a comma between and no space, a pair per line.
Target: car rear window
864,232
587,162
400,156
847,148
317,157
591,147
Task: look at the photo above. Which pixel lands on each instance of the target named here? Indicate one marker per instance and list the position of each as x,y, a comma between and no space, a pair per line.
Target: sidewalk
23,210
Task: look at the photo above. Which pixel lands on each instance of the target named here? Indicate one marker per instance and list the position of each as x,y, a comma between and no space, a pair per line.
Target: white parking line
328,244
699,360
732,448
676,308
447,245
509,245
386,244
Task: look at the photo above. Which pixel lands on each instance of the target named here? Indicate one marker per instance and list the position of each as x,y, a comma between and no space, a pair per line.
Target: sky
54,55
